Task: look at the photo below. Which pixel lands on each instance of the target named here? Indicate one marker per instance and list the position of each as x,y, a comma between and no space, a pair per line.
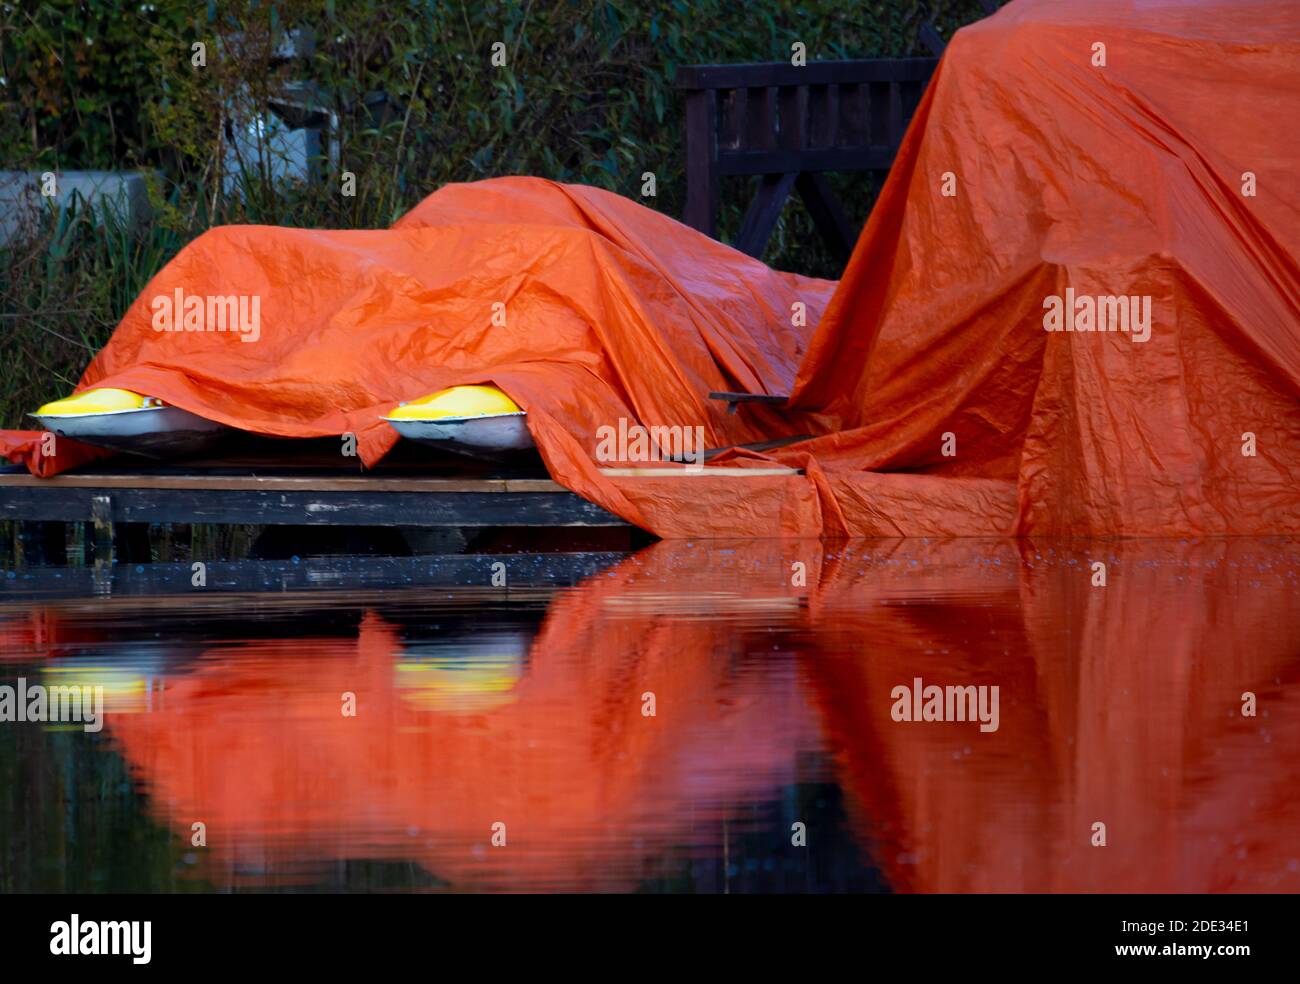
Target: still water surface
770,668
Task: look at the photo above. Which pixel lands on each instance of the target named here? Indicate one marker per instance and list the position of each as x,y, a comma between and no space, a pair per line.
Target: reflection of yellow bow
708,605
126,691
463,677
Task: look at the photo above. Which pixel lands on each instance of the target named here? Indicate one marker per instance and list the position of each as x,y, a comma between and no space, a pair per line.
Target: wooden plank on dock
713,471
279,483
325,500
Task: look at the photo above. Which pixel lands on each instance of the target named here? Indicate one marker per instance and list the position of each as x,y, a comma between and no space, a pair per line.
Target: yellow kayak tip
458,402
125,421
96,401
480,421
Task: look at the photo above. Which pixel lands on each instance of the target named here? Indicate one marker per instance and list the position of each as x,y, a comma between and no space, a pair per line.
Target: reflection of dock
167,585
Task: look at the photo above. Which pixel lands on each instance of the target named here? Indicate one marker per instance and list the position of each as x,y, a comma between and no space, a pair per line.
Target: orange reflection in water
1119,704
255,745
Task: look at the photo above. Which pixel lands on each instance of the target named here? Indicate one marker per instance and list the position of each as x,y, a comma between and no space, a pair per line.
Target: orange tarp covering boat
1082,153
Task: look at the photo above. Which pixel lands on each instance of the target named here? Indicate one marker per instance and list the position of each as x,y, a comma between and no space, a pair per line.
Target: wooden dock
269,482
279,486
275,484
142,497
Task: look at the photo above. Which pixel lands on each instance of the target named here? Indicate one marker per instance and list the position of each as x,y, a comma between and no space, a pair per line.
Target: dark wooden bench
788,125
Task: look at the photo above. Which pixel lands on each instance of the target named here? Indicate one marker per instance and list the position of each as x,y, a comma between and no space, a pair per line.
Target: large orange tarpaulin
942,404
1128,178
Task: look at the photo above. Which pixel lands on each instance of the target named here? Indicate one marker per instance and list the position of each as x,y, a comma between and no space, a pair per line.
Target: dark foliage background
586,96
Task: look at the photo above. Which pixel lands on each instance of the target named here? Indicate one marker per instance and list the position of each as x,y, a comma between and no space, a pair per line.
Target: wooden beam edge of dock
281,483
361,483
